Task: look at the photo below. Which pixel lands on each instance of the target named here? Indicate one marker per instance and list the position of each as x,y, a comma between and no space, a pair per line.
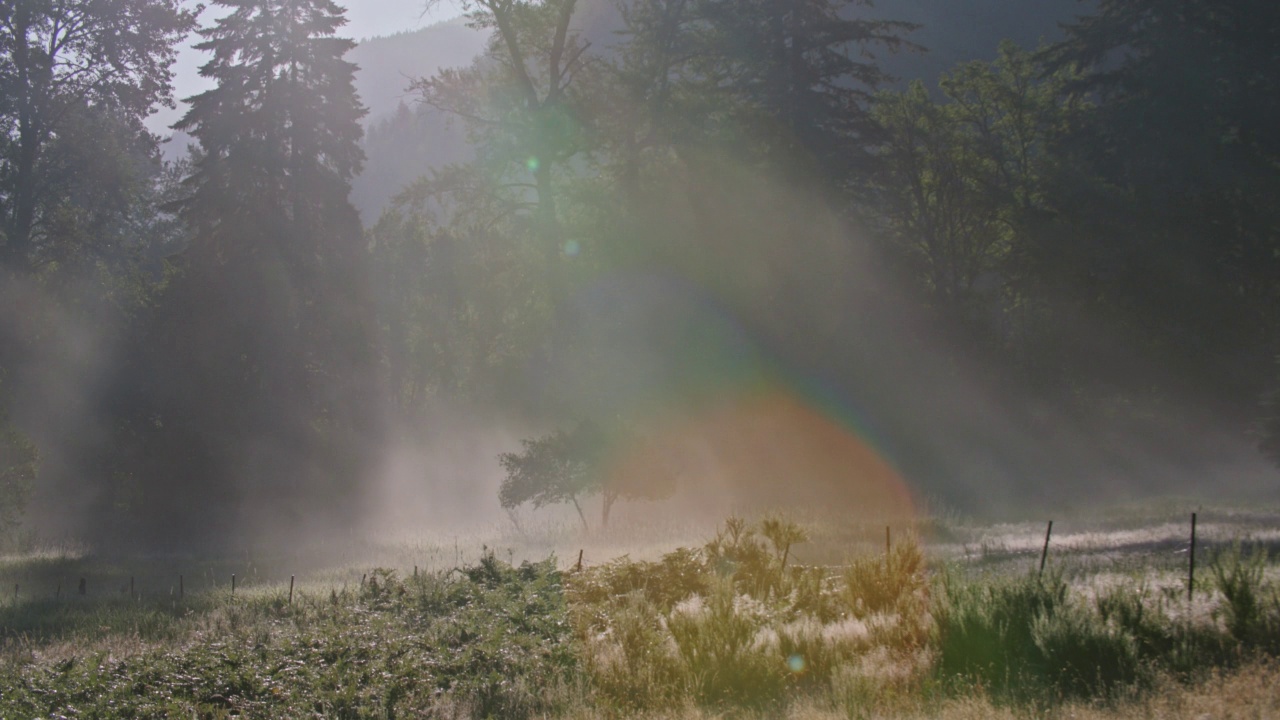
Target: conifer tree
267,386
799,76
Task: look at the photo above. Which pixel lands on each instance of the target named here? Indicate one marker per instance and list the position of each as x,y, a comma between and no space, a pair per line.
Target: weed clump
1252,607
487,641
737,623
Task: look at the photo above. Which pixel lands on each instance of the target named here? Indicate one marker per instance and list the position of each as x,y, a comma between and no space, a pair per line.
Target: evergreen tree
266,361
798,76
1189,96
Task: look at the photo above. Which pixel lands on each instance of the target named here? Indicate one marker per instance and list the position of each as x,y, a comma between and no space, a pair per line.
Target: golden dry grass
1248,693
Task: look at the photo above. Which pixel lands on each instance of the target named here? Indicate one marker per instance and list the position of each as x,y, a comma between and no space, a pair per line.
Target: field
762,617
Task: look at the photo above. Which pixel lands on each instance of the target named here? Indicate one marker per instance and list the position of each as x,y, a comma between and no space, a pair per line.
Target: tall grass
735,627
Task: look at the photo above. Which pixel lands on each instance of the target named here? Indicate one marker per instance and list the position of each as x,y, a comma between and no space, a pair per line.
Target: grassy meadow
755,618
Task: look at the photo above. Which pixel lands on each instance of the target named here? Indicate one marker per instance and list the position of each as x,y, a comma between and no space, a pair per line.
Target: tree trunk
606,504
581,517
548,227
21,219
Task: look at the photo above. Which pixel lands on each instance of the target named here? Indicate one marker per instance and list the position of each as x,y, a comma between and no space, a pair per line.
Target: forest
695,246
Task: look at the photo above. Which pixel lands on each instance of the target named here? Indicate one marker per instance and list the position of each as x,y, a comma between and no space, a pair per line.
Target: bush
631,664
1251,609
1079,655
720,659
895,583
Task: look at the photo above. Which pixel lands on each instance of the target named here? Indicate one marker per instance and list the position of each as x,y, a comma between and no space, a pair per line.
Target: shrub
1184,647
680,574
1252,609
890,584
1079,655
631,664
720,658
737,553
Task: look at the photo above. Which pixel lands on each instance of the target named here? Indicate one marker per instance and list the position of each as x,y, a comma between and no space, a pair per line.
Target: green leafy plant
1252,613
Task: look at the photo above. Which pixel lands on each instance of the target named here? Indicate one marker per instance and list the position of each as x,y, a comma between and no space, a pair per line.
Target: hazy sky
367,18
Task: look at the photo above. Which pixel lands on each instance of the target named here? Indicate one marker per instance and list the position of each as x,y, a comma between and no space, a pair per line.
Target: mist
895,283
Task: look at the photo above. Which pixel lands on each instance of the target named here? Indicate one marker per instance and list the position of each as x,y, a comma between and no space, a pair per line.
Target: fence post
290,589
1044,554
1191,569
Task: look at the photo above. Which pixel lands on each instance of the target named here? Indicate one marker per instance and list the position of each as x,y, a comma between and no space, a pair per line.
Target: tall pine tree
799,76
1188,102
265,360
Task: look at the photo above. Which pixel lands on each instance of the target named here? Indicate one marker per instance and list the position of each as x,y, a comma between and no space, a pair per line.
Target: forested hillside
739,255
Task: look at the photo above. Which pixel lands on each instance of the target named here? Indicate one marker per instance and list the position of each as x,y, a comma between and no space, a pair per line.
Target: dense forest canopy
710,251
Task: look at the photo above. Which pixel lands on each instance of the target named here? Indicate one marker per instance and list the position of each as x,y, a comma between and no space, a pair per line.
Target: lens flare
701,409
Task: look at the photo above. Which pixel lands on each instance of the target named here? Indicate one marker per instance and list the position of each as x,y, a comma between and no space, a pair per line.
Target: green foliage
1026,637
623,639
489,641
717,646
679,575
893,583
795,78
1030,639
558,468
19,460
78,78
1181,646
968,186
635,669
729,625
1079,656
1252,607
782,534
259,382
737,552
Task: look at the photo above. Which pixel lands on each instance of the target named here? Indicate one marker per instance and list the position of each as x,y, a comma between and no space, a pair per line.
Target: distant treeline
1089,229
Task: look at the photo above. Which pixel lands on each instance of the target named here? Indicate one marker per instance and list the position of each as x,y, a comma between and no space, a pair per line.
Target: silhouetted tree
71,72
1189,96
265,381
798,77
566,467
558,468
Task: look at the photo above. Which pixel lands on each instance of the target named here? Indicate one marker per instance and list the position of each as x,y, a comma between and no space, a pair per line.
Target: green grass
736,626
488,640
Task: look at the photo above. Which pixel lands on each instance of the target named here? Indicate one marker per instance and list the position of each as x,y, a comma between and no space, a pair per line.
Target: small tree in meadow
557,468
565,467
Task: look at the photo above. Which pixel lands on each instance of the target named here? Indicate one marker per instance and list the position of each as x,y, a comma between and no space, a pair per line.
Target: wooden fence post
1044,554
1191,569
